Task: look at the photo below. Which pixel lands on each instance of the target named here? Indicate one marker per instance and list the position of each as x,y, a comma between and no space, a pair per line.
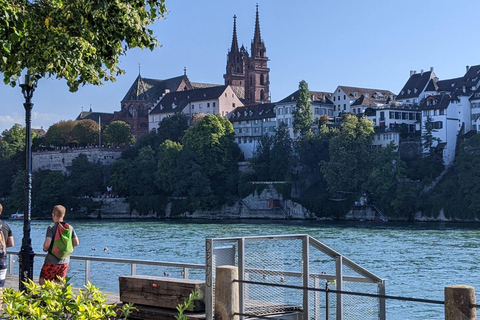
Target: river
417,259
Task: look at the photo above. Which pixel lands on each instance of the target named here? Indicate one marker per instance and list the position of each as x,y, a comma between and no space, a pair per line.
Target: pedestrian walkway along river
418,260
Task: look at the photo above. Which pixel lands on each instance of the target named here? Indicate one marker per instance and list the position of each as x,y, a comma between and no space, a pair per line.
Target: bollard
226,293
458,303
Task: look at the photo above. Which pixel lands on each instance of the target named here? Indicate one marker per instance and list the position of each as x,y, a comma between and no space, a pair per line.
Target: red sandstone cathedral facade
248,75
249,72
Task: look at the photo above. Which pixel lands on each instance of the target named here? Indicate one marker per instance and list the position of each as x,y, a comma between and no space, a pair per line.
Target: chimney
412,73
431,69
467,67
421,71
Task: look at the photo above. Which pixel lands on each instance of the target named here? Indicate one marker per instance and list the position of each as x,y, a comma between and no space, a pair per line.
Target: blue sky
361,43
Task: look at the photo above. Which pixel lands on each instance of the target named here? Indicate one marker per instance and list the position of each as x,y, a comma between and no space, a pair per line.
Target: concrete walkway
12,281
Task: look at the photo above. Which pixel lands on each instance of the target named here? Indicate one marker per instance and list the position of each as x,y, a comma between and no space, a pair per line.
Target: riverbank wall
268,204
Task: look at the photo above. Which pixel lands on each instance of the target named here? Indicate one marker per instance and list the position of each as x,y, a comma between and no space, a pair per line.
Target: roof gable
415,85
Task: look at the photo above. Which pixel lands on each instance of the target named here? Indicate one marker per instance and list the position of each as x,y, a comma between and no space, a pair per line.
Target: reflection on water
417,259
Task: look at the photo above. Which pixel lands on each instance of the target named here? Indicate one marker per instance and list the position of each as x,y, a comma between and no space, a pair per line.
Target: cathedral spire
234,37
256,37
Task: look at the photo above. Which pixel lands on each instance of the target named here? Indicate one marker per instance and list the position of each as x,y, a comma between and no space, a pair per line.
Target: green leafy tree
86,132
303,113
85,177
260,162
61,134
384,182
173,128
350,157
468,166
120,175
281,154
211,141
80,41
169,169
119,133
12,156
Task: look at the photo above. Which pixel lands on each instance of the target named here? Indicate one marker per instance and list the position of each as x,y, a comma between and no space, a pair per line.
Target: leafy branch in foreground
57,300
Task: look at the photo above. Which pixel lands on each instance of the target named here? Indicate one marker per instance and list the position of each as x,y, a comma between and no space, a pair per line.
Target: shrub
57,300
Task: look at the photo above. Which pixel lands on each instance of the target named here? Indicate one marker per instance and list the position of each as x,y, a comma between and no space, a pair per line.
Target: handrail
133,263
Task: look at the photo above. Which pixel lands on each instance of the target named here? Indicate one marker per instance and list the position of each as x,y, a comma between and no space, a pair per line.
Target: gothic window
262,79
262,95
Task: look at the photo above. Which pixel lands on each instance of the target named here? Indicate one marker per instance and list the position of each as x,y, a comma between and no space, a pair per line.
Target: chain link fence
295,260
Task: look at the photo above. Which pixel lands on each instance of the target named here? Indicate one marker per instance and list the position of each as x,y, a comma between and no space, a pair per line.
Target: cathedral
249,73
246,75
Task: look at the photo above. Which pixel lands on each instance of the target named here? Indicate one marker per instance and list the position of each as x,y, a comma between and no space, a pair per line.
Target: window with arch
262,95
262,79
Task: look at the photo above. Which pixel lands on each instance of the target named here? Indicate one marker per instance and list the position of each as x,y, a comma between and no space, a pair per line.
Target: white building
250,123
453,105
213,100
343,97
321,106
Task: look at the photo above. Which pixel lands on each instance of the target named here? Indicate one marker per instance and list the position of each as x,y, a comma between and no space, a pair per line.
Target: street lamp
26,252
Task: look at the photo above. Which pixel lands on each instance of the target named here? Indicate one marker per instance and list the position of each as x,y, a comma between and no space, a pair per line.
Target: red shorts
51,271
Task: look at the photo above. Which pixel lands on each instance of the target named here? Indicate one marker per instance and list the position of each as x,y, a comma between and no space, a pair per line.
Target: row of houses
453,105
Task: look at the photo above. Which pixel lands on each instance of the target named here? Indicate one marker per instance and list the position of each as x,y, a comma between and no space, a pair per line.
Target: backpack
62,244
3,244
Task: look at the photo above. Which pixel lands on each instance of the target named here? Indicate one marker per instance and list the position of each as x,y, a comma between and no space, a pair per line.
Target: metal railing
132,262
300,260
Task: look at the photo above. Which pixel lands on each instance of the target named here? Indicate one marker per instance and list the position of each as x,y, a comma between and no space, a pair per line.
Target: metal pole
26,253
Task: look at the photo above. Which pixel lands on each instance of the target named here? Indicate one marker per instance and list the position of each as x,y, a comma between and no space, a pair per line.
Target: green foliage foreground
57,300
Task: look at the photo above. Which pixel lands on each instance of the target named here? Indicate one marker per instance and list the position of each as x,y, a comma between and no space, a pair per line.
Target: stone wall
61,160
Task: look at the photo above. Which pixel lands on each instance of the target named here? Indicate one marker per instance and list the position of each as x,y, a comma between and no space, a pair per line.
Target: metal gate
297,260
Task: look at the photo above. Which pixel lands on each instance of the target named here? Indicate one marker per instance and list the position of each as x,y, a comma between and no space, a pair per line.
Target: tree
211,142
260,162
350,157
468,164
281,154
61,134
173,128
85,177
168,167
303,114
119,133
86,132
81,41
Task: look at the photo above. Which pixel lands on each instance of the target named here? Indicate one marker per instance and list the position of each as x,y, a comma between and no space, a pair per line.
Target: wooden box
160,292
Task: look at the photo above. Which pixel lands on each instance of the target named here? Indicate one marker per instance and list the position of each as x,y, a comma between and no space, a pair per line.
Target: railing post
241,275
226,293
134,269
209,279
339,279
87,271
306,274
458,303
10,264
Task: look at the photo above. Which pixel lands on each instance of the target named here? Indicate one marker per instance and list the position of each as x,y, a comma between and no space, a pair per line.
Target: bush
57,300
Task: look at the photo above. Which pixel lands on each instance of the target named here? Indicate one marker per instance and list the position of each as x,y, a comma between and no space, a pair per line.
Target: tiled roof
317,96
371,101
198,85
144,89
415,85
253,112
351,91
440,101
106,118
178,100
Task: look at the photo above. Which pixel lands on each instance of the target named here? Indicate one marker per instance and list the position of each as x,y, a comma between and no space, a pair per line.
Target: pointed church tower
235,73
257,88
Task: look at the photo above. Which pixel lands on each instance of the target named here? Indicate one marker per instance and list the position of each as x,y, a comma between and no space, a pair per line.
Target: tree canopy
76,40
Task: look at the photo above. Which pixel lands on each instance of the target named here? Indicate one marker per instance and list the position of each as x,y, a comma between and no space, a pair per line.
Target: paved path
12,281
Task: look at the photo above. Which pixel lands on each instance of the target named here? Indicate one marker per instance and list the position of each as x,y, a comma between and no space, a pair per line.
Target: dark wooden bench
158,297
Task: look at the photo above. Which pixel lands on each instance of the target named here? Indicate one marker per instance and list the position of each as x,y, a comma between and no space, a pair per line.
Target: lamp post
26,252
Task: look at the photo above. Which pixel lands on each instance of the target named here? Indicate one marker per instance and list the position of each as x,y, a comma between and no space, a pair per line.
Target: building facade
249,73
